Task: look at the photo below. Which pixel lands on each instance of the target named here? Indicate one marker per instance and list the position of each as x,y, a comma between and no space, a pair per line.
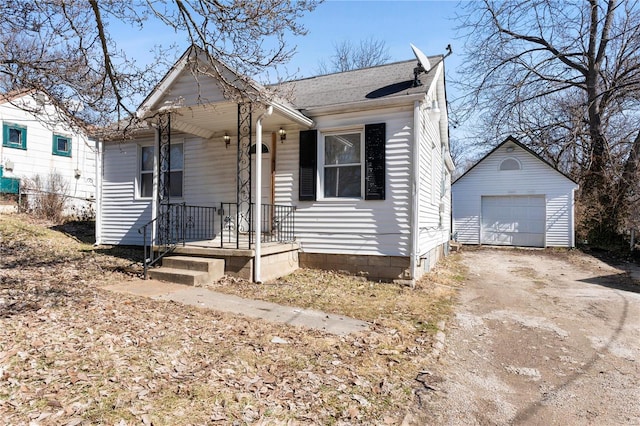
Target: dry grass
71,353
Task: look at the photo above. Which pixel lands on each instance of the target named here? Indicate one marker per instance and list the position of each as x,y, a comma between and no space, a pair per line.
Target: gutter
293,114
99,170
415,179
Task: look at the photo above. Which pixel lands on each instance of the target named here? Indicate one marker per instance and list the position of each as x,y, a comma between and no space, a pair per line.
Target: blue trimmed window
14,136
62,145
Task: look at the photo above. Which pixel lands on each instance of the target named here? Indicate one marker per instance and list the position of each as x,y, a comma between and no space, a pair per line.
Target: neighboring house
355,171
513,197
37,142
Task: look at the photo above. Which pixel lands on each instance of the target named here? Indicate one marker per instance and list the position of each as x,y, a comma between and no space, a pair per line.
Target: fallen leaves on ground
73,354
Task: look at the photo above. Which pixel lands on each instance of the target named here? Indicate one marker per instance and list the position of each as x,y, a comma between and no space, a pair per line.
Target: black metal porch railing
180,223
176,224
237,228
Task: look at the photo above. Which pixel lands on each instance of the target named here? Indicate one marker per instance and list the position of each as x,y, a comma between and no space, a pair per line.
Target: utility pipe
258,213
415,182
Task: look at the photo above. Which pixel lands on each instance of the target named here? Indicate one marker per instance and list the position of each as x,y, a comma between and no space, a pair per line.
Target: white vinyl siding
351,226
433,204
122,212
534,178
210,172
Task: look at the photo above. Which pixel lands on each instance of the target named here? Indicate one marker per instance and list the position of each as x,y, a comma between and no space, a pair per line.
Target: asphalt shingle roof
383,81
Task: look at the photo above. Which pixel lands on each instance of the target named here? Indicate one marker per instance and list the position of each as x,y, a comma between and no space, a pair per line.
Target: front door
266,200
266,173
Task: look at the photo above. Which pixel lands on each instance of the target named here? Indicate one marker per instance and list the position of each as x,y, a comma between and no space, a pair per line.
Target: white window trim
321,165
180,142
138,183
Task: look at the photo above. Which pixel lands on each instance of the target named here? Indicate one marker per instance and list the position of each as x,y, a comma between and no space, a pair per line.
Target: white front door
266,173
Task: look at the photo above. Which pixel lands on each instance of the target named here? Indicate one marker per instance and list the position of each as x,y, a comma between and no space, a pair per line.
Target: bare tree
349,56
565,78
65,48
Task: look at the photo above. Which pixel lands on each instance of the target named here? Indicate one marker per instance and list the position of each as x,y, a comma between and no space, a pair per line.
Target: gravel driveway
540,337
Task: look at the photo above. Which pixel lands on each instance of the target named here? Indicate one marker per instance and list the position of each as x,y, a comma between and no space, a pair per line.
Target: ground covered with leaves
74,354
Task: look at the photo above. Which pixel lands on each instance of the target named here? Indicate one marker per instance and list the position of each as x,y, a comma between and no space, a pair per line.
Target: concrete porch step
192,263
188,270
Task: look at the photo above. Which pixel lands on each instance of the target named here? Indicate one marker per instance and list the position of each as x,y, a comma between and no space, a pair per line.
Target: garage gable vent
510,164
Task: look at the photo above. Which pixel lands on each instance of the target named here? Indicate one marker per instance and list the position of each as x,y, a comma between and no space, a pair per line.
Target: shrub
47,198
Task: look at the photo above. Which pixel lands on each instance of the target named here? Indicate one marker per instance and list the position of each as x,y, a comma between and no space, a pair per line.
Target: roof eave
292,114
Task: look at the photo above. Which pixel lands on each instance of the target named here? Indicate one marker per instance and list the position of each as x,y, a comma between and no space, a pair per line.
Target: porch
224,232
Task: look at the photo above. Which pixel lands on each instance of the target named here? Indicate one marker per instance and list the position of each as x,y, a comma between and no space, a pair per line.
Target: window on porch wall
176,169
147,169
146,172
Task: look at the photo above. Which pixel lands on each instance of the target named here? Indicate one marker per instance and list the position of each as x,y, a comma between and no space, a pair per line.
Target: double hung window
176,171
343,165
146,171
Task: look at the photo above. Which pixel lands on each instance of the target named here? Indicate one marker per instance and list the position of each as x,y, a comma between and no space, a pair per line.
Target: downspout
415,180
257,263
573,218
98,195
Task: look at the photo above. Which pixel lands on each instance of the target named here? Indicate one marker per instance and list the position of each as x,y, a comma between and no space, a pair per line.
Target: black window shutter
308,161
374,141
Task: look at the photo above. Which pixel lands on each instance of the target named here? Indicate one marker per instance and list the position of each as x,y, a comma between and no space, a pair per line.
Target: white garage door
513,220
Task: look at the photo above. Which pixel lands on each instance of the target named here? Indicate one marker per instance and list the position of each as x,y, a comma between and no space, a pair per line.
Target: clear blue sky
426,24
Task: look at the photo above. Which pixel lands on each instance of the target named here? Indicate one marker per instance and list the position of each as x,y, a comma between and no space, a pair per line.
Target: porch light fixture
283,134
227,140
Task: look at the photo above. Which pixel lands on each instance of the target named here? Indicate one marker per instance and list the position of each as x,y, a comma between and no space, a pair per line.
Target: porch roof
196,93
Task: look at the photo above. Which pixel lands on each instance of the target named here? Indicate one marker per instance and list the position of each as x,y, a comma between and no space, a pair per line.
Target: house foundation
374,268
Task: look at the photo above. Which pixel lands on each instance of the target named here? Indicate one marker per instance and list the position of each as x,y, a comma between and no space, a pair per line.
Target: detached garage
513,197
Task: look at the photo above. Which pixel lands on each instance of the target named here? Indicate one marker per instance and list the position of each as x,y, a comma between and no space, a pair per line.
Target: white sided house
347,171
38,143
513,197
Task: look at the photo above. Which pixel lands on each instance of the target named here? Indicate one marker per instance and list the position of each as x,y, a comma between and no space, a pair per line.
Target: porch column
243,194
163,178
257,263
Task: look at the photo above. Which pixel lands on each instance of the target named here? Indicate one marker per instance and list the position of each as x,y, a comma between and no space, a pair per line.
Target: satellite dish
422,58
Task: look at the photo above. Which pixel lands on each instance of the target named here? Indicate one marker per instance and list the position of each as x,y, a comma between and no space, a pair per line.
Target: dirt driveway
540,338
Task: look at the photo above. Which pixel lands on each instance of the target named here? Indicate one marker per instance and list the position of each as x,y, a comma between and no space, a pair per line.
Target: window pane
342,181
342,149
175,185
146,185
63,144
15,136
177,158
147,158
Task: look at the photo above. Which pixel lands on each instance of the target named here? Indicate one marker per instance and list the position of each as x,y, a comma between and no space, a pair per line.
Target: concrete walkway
204,298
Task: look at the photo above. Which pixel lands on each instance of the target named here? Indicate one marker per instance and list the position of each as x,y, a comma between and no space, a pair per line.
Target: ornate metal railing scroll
243,197
163,225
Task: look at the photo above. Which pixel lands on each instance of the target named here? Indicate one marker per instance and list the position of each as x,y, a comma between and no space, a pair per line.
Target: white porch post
257,263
